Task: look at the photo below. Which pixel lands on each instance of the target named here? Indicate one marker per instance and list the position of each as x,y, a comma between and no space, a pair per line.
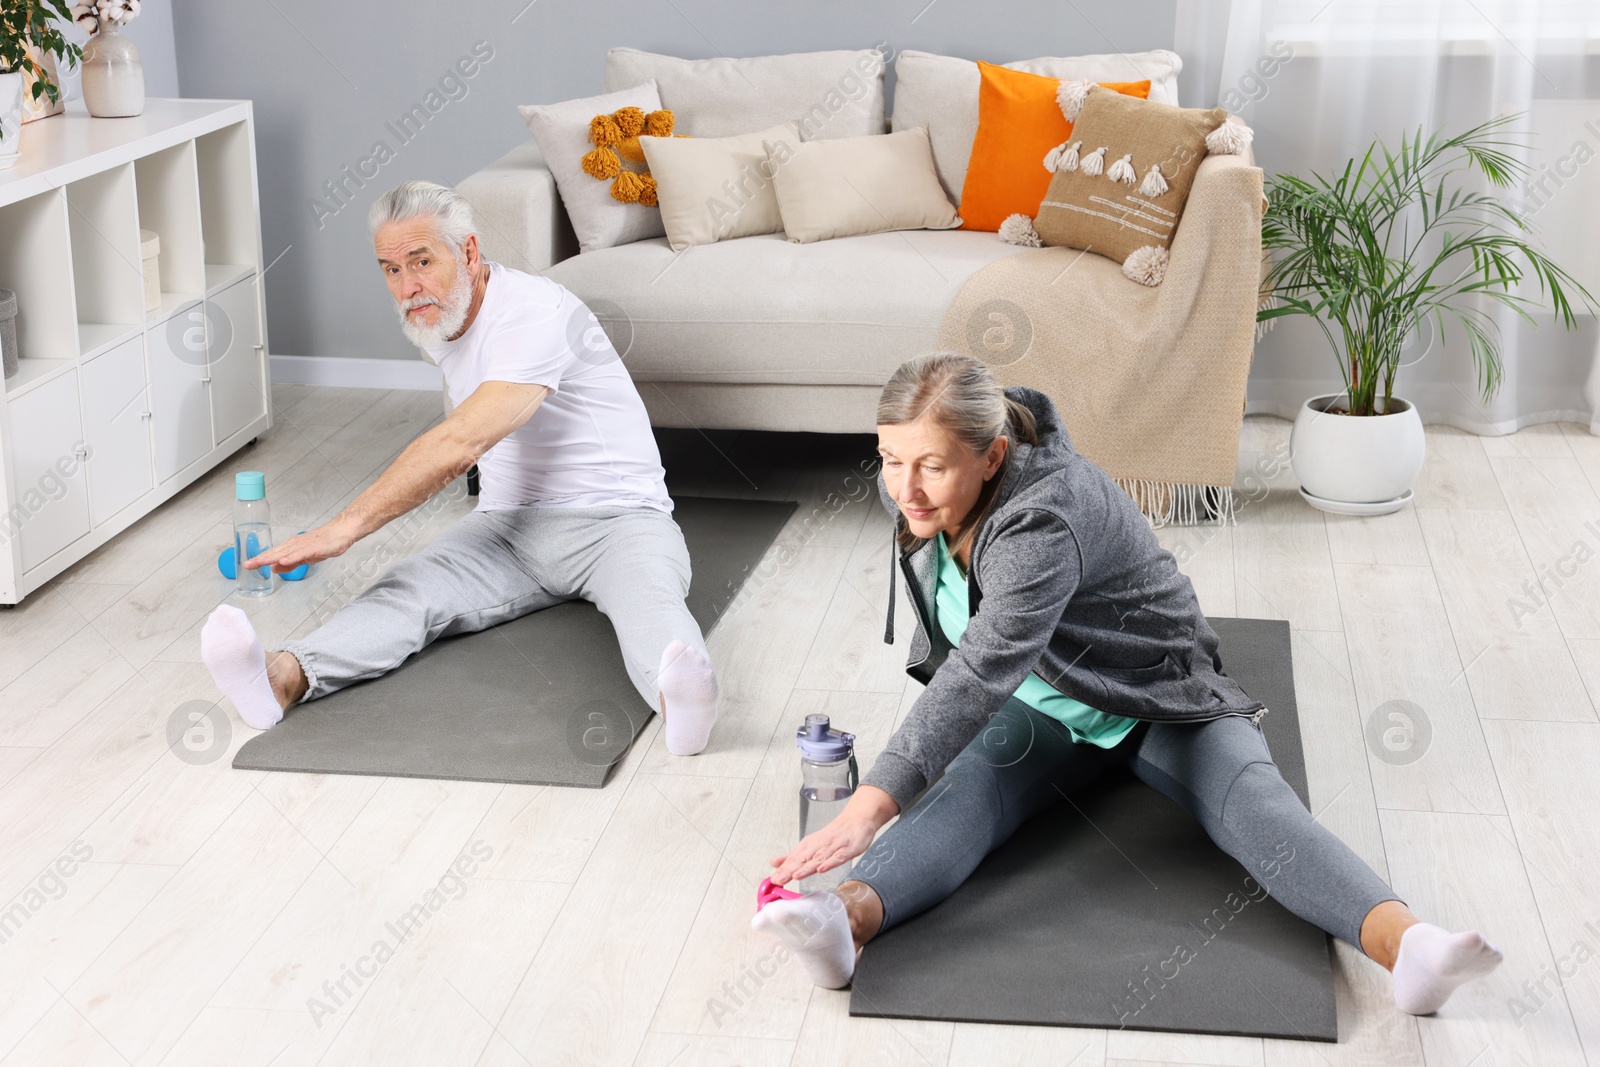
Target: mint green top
1087,726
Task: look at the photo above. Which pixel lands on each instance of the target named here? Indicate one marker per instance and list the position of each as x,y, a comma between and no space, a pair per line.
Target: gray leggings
494,566
1219,771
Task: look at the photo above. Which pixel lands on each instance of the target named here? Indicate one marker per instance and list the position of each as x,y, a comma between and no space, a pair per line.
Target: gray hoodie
1066,580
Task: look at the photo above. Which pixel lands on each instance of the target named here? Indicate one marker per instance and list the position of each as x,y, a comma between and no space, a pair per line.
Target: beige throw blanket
1149,381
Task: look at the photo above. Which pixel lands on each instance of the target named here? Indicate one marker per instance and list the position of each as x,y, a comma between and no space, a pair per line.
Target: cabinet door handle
81,452
261,348
144,414
206,380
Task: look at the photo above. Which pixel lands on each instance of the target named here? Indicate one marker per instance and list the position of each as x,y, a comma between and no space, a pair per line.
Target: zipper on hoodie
916,601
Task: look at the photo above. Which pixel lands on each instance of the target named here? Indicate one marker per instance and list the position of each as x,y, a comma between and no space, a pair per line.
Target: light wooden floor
610,926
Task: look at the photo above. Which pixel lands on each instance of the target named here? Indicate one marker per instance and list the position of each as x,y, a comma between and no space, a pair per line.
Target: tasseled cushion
1018,230
1231,138
1147,265
1102,205
1122,170
1154,184
1071,96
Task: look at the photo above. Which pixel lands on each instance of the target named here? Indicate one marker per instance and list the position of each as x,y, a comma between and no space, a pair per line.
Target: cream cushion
715,188
562,130
858,185
941,92
832,94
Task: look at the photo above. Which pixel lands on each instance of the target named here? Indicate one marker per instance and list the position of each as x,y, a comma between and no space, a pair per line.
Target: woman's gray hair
449,210
961,396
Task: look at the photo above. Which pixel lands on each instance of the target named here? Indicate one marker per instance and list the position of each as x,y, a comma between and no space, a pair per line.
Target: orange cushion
1019,121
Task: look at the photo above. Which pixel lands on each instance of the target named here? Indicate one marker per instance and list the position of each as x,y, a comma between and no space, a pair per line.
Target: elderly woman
1058,639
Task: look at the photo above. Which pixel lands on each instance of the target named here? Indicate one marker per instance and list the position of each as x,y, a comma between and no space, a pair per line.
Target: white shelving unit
114,409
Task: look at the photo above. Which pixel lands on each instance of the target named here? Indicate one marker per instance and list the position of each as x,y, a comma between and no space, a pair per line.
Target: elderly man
573,502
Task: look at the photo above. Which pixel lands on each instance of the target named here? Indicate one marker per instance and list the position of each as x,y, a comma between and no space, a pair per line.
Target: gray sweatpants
494,566
1219,771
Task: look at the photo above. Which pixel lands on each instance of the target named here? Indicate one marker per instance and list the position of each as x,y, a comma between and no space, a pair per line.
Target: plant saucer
1343,507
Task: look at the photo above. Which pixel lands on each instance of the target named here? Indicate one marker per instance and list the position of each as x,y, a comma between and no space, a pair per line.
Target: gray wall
326,78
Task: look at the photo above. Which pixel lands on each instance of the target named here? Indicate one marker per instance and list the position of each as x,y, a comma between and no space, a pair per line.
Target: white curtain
1318,80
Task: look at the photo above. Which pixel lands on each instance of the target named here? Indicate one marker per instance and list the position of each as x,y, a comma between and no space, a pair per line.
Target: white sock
815,928
689,686
1433,962
238,664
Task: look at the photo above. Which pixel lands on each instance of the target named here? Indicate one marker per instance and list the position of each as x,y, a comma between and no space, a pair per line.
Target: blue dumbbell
228,564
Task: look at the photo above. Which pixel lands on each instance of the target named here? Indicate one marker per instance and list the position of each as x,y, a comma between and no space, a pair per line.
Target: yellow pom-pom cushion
616,143
630,120
599,163
584,171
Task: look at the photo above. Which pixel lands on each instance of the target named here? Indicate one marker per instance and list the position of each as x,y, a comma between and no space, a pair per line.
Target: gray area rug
542,700
1117,911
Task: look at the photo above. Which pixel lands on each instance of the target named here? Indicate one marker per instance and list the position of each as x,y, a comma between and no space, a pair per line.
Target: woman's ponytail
1019,423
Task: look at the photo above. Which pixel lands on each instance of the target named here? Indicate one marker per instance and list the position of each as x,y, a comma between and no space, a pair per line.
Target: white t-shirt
589,443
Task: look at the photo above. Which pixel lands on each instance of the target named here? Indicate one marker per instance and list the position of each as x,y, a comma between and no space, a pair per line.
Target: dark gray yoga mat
541,700
1117,911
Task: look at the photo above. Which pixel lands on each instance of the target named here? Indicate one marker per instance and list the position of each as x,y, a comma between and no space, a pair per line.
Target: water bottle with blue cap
828,778
252,531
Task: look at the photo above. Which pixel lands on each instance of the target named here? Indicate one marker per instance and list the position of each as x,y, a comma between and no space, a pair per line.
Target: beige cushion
941,92
857,185
1113,216
562,131
763,309
714,188
832,94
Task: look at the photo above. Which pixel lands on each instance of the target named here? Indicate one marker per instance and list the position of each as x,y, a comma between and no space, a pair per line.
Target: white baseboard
356,373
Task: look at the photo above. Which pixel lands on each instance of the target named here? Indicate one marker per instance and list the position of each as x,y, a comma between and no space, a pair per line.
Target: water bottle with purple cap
828,778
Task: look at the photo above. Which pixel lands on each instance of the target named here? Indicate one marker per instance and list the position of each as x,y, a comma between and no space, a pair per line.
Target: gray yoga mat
1079,918
541,700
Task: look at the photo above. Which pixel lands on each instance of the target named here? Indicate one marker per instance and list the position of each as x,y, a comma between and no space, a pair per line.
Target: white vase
10,119
1364,462
113,75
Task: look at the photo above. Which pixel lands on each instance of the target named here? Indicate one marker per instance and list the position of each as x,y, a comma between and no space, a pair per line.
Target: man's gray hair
448,209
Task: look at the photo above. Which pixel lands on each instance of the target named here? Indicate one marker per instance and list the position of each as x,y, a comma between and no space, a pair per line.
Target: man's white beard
452,313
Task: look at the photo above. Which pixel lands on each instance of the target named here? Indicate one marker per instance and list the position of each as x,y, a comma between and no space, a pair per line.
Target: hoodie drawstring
888,625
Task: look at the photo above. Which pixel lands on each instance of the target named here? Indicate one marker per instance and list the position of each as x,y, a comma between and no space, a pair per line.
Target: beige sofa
760,333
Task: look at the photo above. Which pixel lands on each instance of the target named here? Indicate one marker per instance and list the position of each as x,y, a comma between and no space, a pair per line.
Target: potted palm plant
25,25
1368,255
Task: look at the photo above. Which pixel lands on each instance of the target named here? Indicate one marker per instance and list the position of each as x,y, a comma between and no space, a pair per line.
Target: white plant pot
1362,464
10,119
